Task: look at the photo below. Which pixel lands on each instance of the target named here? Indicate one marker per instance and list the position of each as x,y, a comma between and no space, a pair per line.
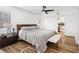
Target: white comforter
38,37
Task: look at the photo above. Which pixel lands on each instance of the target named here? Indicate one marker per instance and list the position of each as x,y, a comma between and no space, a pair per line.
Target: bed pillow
3,31
29,28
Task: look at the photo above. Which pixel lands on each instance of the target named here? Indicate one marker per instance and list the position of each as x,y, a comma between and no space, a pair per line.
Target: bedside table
8,39
67,42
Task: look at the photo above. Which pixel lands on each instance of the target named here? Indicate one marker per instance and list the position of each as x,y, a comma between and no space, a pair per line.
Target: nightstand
8,39
67,42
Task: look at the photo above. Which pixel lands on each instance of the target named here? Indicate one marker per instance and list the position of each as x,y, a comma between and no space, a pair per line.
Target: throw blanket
37,37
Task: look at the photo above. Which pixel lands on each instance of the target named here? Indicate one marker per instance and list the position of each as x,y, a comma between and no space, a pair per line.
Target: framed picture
4,18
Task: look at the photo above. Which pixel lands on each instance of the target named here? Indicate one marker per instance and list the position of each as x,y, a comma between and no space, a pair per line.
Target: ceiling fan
45,10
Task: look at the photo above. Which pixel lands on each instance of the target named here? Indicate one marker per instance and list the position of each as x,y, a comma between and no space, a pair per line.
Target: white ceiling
37,9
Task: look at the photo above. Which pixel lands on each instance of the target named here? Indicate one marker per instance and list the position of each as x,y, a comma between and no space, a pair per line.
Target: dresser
8,39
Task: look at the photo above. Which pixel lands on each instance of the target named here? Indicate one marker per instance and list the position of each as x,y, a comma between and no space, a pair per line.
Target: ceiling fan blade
46,12
49,10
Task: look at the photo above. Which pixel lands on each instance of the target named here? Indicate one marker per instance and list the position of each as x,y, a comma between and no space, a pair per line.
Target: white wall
19,16
71,22
48,21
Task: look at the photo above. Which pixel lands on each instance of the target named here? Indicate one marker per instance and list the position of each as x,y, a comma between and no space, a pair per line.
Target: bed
35,36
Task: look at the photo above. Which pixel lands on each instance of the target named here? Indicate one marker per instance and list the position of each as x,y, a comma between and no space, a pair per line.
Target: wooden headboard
22,25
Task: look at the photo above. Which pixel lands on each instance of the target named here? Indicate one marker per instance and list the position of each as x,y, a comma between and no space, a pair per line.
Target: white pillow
3,31
29,28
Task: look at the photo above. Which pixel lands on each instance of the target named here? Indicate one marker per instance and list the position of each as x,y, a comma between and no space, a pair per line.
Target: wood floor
24,47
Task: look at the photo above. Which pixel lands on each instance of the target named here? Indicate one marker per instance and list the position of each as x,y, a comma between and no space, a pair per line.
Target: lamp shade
61,21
